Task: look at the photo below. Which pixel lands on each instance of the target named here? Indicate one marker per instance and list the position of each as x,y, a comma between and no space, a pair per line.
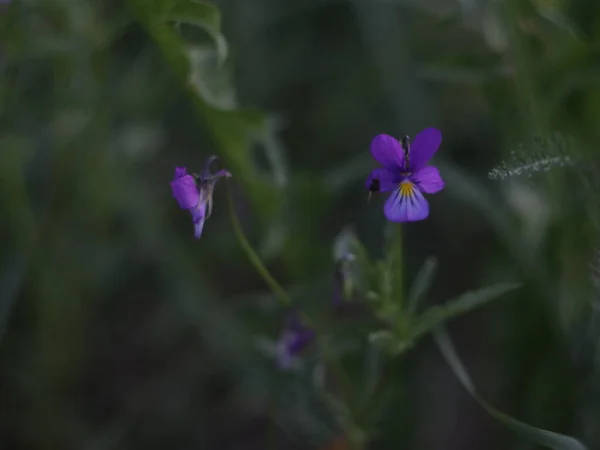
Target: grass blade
539,436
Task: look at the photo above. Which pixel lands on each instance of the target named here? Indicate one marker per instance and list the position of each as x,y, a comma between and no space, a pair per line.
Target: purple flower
405,172
194,192
294,338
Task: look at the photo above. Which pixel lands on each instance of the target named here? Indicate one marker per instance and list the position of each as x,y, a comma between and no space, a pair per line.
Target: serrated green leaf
203,15
421,284
437,315
539,436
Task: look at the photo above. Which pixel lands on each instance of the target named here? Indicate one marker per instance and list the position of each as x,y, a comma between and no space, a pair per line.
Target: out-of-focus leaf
373,369
210,79
436,315
344,243
389,342
274,151
421,284
205,16
540,436
233,129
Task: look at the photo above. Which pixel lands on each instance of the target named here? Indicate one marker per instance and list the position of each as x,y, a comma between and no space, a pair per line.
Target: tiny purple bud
294,338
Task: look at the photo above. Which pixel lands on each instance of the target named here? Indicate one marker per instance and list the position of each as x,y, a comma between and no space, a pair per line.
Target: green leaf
539,436
437,315
421,284
203,15
234,130
344,243
209,79
395,262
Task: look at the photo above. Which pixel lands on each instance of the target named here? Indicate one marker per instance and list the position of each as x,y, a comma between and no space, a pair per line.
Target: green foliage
406,327
203,15
235,130
539,436
118,330
437,315
422,284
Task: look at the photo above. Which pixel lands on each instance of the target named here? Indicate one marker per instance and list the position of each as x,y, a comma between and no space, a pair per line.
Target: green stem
344,382
398,266
255,260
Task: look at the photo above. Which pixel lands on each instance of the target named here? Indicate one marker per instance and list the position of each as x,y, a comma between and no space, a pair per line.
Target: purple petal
388,151
406,204
198,216
185,191
428,180
423,147
180,172
388,179
292,341
299,341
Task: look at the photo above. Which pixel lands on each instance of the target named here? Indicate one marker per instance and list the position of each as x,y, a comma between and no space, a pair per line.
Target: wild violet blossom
294,338
194,192
405,172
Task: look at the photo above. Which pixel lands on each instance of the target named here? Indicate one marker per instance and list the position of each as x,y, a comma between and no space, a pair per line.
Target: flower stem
398,283
395,281
332,363
255,260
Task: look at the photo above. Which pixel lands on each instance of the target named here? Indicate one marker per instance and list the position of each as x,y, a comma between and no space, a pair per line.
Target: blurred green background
119,331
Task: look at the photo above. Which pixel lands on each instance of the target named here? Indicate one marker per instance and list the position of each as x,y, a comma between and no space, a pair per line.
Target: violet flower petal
388,151
423,147
406,204
294,338
428,180
388,179
185,191
180,172
299,341
198,217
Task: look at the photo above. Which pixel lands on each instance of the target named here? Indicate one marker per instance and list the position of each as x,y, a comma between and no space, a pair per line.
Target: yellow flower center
407,189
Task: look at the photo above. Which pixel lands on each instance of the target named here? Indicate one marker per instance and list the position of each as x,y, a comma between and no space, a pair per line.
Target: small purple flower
406,174
194,192
294,338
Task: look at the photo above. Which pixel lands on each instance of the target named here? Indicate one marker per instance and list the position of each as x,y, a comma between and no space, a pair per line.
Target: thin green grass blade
437,315
539,436
422,283
255,260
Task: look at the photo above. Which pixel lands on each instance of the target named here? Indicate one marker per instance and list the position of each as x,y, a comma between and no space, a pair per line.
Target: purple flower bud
194,192
294,338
